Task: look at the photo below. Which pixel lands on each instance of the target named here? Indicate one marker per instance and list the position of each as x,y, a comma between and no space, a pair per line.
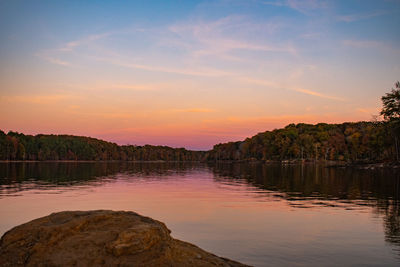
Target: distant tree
391,114
21,152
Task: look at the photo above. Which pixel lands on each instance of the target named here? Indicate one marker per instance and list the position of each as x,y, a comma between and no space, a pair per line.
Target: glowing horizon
193,73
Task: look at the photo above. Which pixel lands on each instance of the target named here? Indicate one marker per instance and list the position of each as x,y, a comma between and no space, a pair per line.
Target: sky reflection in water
258,214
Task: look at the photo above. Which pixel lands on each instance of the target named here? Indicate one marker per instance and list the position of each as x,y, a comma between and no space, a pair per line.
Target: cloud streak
276,85
83,41
317,94
371,44
225,36
36,99
194,110
206,72
54,60
58,61
302,6
357,17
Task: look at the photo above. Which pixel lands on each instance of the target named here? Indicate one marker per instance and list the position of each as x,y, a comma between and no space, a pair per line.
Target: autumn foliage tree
391,114
352,141
17,146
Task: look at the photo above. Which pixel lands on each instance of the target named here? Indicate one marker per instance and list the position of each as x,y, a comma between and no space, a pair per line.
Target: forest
374,141
17,146
360,141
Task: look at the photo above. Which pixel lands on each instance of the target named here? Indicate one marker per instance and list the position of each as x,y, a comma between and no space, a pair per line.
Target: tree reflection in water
303,186
312,186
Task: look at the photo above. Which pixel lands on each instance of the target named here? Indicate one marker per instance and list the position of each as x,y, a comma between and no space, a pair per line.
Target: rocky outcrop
100,238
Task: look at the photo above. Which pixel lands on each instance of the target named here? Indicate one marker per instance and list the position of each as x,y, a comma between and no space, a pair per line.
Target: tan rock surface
100,238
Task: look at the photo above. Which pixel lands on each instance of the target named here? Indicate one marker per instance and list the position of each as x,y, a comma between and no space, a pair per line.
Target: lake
262,215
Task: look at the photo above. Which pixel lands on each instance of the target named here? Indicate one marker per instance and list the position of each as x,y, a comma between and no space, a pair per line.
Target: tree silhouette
391,104
391,113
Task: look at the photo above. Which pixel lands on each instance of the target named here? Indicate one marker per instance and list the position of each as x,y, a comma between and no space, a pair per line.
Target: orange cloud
36,99
194,110
313,93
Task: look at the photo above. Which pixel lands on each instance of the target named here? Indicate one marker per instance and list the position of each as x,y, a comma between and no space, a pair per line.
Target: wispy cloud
136,87
360,16
53,55
311,35
259,82
112,114
194,110
92,38
53,60
225,36
116,115
303,6
36,99
371,44
225,45
228,38
369,111
85,40
208,72
307,5
317,94
363,43
275,3
58,61
107,86
276,85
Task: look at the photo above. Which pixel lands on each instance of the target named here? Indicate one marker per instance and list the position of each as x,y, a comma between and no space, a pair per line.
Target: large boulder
100,238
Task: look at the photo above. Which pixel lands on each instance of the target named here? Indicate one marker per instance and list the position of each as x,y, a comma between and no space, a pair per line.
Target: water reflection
301,182
300,186
21,176
308,186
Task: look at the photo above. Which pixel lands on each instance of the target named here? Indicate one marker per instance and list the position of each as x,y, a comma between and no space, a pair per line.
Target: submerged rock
100,238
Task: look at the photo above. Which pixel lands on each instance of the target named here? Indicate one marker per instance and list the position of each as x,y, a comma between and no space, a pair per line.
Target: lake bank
326,163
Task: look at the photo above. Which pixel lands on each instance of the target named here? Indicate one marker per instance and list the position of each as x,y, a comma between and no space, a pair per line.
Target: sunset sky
192,73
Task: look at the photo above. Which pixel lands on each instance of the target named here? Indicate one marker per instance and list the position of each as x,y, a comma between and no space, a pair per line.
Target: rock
100,238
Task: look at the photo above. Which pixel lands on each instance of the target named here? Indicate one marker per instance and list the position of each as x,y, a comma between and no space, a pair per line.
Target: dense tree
361,141
16,146
391,114
391,104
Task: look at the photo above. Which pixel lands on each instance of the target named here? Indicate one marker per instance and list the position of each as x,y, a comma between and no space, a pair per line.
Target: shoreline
93,161
327,163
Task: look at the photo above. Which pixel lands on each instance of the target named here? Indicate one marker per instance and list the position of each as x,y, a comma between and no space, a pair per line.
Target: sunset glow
192,73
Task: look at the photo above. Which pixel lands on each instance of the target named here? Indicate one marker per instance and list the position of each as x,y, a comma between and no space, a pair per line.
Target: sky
193,73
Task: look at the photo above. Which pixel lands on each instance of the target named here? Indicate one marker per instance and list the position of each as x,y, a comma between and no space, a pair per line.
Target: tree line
17,146
351,141
359,141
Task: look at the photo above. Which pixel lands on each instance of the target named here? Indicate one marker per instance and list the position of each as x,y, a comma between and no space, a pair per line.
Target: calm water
257,214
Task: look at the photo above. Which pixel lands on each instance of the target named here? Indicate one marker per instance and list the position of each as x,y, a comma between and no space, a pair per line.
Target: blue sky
193,73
